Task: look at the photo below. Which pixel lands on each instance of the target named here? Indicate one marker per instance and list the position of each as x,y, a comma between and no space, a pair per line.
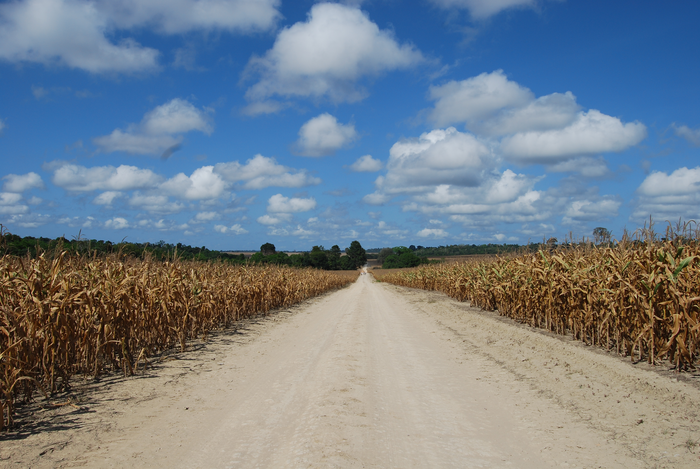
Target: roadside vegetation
64,314
639,297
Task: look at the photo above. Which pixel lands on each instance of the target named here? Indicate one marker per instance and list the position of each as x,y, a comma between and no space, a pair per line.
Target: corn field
641,299
64,315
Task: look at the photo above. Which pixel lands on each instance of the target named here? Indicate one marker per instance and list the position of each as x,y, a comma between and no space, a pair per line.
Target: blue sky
231,123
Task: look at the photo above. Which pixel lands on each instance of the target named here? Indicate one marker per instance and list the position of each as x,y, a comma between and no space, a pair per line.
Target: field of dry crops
641,299
63,315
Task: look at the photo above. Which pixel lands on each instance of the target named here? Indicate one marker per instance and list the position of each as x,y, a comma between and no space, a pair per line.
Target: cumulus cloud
117,223
482,9
77,33
22,182
476,98
107,198
76,178
281,204
70,33
323,135
274,219
591,132
233,229
585,166
160,131
550,129
181,16
203,183
155,203
203,217
327,55
366,164
435,233
691,135
670,196
592,210
10,203
261,172
438,157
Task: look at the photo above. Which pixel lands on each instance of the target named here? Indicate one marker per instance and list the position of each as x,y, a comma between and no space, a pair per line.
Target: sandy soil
373,375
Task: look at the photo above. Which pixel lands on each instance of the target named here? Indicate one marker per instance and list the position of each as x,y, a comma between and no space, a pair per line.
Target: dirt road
376,376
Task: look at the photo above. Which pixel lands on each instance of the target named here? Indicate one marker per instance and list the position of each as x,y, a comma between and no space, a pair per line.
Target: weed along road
375,375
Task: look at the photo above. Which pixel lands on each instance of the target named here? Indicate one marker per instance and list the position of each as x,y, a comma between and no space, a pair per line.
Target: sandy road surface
375,376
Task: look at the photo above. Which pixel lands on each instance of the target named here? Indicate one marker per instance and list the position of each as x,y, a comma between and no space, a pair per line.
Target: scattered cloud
327,55
274,219
233,229
435,233
591,132
22,182
280,204
260,172
203,183
116,223
670,196
203,217
76,178
160,131
691,135
78,33
483,9
107,198
11,203
366,164
323,136
39,91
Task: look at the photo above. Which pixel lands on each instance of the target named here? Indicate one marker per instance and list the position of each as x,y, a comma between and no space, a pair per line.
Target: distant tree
412,247
383,254
356,254
601,235
268,249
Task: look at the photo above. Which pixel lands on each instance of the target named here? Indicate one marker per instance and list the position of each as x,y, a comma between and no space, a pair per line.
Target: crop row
65,315
641,299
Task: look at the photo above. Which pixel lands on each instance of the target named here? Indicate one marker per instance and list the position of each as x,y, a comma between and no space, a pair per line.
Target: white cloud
261,172
323,135
70,33
274,219
550,129
77,33
10,204
670,196
476,98
117,223
234,229
482,9
438,157
258,108
204,183
326,56
435,233
155,203
81,179
691,135
376,198
585,166
160,131
2,126
280,204
591,132
107,198
22,182
29,220
592,210
203,217
181,16
366,164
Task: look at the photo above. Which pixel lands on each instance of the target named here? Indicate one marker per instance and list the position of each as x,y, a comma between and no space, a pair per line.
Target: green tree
601,235
267,249
356,254
383,254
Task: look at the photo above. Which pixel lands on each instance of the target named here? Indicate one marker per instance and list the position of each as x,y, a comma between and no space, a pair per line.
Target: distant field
465,258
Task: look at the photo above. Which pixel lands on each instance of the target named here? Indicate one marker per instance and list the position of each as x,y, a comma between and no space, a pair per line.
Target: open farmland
67,315
641,299
374,375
